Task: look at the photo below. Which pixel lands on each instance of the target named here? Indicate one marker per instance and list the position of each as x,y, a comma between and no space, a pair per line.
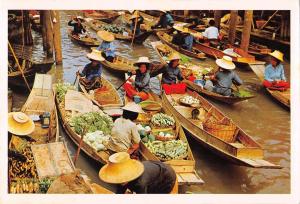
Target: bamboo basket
224,131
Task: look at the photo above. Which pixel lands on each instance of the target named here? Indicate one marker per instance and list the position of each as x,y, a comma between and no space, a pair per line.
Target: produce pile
162,120
113,28
61,90
145,133
45,184
97,140
91,122
24,186
189,100
242,93
168,150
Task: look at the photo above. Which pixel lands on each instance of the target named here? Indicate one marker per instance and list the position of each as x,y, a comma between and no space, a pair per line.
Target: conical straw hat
174,56
135,15
95,55
20,124
181,29
121,169
133,107
277,54
226,63
142,60
106,36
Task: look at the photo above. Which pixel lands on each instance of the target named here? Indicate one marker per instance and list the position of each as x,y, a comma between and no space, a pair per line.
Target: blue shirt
165,21
224,82
188,42
91,72
169,74
142,81
272,74
104,48
138,25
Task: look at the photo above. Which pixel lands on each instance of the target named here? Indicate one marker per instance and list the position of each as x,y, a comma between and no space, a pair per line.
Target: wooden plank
190,179
259,70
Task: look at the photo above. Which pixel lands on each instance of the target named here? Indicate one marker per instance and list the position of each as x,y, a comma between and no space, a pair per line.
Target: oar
124,82
136,19
76,78
79,145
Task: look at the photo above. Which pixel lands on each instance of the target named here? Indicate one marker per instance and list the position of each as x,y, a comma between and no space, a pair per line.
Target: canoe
104,99
105,16
85,41
222,136
282,96
139,39
167,39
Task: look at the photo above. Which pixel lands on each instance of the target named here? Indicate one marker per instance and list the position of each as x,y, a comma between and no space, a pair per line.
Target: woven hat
226,63
95,55
181,29
136,14
133,107
106,36
277,54
80,17
174,56
20,124
142,60
121,169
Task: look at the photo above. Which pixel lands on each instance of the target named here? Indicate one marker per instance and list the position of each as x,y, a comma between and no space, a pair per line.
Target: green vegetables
168,150
113,28
162,120
61,90
184,59
92,122
45,184
242,93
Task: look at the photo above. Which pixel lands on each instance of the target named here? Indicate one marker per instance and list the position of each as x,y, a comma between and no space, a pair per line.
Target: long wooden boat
120,65
139,39
167,39
282,96
105,16
85,41
224,138
104,98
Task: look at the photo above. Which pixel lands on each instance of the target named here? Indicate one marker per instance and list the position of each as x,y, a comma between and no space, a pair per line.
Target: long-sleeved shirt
224,82
91,72
142,81
108,48
272,74
188,42
169,74
123,134
138,25
178,39
156,178
211,32
164,21
77,27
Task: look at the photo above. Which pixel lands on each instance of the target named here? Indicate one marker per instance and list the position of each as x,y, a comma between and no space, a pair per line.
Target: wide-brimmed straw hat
142,60
181,29
106,36
79,17
121,169
136,14
226,63
277,54
20,124
95,55
174,56
133,107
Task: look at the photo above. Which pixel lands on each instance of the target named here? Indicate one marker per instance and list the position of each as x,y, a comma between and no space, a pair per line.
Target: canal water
261,117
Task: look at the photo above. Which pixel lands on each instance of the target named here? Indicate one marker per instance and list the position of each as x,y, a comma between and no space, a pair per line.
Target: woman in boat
164,21
138,19
146,177
107,47
92,71
183,38
212,32
222,80
274,72
142,80
171,74
77,26
124,134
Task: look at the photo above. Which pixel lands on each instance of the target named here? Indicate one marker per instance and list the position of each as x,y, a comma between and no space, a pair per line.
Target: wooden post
232,26
246,30
27,28
49,33
186,13
56,36
217,18
44,34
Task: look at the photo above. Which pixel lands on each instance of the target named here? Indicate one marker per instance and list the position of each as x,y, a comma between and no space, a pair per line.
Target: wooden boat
102,15
85,41
222,136
167,39
282,96
104,99
120,65
10,100
139,39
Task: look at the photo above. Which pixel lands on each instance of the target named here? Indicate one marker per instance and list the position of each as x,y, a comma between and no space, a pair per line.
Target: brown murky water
264,119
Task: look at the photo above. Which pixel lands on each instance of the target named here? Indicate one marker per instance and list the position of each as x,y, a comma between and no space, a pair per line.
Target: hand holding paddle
124,82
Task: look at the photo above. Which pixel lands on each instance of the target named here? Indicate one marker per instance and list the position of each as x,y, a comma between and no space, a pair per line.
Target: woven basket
223,131
162,138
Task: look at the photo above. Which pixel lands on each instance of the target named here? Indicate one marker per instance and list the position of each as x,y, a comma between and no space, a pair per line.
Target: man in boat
137,19
142,80
107,47
274,73
222,80
164,21
212,32
124,134
183,38
77,25
146,177
92,71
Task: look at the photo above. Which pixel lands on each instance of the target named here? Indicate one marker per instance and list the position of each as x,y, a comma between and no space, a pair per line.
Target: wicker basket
162,138
223,131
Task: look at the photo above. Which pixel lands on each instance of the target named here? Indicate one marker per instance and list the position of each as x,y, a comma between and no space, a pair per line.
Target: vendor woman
107,47
274,72
137,19
142,80
124,134
147,177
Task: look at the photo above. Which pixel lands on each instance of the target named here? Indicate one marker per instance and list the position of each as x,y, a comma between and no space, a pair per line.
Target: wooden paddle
124,82
79,145
136,19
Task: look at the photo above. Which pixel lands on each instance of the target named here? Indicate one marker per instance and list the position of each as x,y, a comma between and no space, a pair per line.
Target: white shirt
211,32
